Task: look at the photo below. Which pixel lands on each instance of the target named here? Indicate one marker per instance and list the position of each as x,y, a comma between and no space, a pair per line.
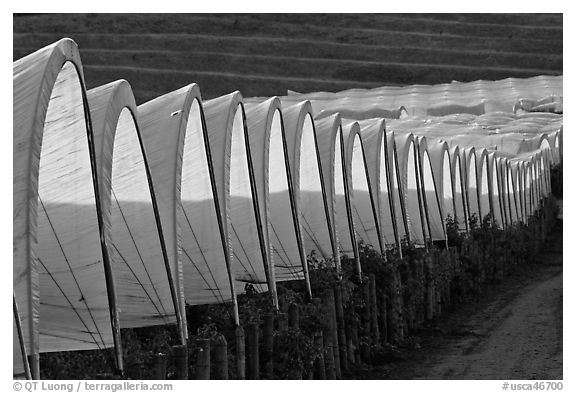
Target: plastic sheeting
361,189
234,178
476,98
460,212
494,190
471,181
411,189
58,248
211,197
273,184
483,178
311,201
396,188
441,166
164,124
135,243
376,153
431,194
205,264
331,149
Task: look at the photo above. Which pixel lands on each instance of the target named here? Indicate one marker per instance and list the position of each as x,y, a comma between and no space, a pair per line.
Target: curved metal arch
377,153
261,120
163,127
517,166
328,131
367,219
439,154
432,212
512,186
468,157
107,103
497,208
222,114
459,187
397,191
406,145
34,79
483,176
299,119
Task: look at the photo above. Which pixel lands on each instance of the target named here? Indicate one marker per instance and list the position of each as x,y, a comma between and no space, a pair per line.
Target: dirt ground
268,54
514,331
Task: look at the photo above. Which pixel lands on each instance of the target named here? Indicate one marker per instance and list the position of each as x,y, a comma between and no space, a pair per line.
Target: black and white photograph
287,196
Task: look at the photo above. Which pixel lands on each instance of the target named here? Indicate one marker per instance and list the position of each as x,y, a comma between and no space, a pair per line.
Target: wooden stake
253,352
392,311
268,336
355,350
329,358
138,371
350,346
331,334
365,347
294,323
240,353
282,322
342,342
202,358
383,316
220,357
160,366
374,309
430,290
421,314
400,310
294,316
180,355
319,366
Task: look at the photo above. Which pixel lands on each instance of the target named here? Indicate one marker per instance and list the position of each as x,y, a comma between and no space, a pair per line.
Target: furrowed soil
269,54
512,331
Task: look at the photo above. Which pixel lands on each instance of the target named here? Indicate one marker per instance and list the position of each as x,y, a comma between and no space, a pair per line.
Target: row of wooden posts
345,345
387,316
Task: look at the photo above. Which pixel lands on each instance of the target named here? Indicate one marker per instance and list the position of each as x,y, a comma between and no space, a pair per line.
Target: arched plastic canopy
483,183
310,196
528,187
517,170
475,97
235,182
511,184
431,196
144,287
497,209
468,157
411,188
361,188
59,250
331,148
273,184
443,176
459,188
376,153
397,191
174,134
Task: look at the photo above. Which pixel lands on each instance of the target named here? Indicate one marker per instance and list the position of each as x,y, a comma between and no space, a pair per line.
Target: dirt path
513,332
521,340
